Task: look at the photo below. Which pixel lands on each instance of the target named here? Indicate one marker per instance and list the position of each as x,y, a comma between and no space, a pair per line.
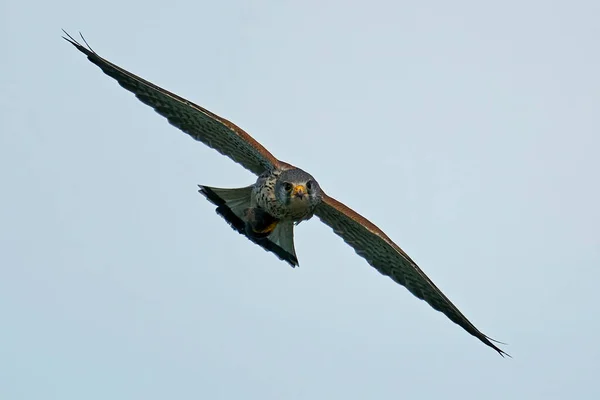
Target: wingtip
489,341
86,50
503,353
69,38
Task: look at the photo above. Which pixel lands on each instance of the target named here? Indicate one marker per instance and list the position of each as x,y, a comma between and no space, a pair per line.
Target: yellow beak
299,190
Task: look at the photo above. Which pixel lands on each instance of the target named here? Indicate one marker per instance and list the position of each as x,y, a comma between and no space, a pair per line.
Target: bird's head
297,188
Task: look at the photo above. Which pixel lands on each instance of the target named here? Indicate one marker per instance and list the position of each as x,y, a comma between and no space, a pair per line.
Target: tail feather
283,236
237,200
231,204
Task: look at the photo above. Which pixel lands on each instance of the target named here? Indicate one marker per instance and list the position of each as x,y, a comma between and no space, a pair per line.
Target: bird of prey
266,211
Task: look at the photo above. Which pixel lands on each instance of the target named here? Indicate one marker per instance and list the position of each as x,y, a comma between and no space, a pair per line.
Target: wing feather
201,124
374,246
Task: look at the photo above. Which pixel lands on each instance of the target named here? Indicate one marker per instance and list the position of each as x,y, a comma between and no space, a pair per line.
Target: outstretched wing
373,245
201,124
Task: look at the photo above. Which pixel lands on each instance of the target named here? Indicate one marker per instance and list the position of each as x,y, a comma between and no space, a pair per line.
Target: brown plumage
283,195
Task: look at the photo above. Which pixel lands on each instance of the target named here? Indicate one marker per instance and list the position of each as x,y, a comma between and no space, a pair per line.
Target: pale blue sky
479,123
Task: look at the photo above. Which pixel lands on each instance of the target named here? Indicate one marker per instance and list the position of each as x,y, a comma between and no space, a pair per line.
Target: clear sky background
479,125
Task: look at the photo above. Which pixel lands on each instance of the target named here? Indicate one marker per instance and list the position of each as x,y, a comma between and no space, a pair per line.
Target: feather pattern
389,259
201,124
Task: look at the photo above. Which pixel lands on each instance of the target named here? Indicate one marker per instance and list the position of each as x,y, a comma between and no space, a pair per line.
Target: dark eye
309,185
288,187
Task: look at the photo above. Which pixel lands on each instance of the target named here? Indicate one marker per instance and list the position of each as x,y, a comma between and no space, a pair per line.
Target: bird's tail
232,205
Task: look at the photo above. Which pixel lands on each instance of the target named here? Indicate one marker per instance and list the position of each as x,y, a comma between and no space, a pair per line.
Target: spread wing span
374,246
201,124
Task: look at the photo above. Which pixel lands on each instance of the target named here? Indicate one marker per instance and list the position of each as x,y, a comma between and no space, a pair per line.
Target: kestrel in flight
282,196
